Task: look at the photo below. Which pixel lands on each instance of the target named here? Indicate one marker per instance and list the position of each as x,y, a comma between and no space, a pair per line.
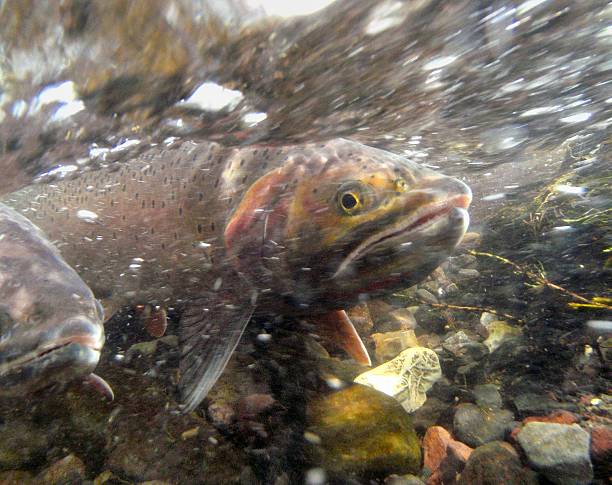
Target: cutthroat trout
51,325
222,233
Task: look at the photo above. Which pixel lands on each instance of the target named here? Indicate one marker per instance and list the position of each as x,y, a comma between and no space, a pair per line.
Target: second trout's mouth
423,224
85,342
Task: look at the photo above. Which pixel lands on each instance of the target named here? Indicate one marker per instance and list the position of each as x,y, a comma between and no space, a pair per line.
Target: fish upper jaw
446,215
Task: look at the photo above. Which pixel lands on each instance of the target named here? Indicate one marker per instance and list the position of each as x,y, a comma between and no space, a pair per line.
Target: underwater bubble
313,438
61,171
282,8
576,118
439,62
125,145
496,140
599,326
64,92
334,383
542,110
491,197
569,189
264,337
384,17
315,476
87,215
211,96
19,108
67,110
252,119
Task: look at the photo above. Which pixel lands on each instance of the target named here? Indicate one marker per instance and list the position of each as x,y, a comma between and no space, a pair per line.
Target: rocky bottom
512,397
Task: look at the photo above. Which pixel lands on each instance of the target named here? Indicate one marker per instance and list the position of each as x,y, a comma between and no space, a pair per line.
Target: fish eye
352,197
349,201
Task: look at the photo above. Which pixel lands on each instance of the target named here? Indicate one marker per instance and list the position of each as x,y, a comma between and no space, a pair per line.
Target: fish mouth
55,362
427,222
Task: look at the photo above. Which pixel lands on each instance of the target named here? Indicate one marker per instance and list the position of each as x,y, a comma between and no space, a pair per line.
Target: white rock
407,378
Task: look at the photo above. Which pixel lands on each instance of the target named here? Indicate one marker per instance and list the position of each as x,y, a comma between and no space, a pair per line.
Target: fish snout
455,192
79,330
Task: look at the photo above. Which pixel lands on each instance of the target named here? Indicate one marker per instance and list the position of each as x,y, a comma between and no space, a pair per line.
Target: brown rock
390,344
255,404
16,477
601,450
67,471
560,416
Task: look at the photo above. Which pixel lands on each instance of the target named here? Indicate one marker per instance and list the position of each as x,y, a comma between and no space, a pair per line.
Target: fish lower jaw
417,224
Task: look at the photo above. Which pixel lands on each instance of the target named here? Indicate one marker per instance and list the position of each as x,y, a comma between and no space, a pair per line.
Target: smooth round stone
487,396
475,426
362,431
494,464
559,451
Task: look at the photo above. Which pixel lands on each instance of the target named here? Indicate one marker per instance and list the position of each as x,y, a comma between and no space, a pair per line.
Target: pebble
475,426
388,345
559,451
467,274
68,470
493,464
403,319
500,332
403,480
426,296
487,396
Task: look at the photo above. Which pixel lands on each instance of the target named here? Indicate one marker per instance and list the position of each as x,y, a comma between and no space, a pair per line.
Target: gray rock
403,480
426,296
456,342
496,463
467,274
487,396
529,404
475,426
559,451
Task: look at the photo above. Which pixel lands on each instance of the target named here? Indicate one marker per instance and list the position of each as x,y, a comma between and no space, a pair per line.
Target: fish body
226,232
51,325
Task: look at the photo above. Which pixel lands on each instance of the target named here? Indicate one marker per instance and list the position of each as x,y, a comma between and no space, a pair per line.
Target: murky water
512,98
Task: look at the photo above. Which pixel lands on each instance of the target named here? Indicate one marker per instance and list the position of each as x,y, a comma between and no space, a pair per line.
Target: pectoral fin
337,327
210,330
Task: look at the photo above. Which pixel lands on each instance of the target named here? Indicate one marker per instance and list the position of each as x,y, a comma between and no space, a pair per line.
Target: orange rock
601,449
560,417
443,456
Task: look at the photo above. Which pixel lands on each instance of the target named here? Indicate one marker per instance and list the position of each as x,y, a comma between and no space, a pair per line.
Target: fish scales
225,232
164,210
